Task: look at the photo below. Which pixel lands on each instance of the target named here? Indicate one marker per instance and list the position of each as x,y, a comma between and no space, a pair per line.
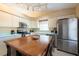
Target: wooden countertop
30,45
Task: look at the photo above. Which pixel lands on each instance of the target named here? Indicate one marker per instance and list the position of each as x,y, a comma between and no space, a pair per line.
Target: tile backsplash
7,29
34,29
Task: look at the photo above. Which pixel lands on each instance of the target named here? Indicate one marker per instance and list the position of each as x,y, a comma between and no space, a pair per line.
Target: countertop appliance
68,35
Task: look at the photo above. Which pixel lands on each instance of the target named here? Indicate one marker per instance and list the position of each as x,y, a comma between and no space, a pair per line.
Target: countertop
5,37
43,33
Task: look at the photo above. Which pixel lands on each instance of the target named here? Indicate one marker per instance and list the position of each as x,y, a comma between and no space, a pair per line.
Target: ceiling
58,6
37,9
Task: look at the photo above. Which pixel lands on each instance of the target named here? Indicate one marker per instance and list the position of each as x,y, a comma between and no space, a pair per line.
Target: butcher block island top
30,45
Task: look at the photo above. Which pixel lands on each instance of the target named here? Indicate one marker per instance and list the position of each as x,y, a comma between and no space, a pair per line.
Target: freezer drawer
69,46
73,47
65,45
59,44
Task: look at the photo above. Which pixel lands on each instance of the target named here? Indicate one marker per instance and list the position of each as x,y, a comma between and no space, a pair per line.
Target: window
43,25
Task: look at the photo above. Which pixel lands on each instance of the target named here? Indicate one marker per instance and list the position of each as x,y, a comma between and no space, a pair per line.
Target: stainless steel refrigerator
67,36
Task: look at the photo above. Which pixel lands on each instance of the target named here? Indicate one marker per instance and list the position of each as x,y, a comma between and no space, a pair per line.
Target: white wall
77,11
52,18
34,24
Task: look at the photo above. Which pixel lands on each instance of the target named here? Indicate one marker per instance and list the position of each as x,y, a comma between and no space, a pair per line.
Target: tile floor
60,53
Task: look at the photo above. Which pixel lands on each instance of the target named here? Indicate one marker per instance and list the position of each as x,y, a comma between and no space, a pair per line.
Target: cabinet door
34,24
5,19
15,21
26,21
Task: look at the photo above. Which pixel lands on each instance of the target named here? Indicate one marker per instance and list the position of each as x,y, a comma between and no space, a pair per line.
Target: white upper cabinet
25,21
15,21
8,20
30,23
34,24
5,19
